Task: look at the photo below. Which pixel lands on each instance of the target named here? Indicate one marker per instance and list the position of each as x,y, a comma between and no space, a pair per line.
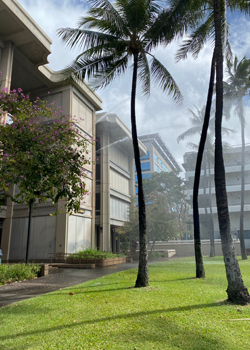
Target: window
136,190
157,168
136,178
147,156
160,162
145,166
156,157
144,176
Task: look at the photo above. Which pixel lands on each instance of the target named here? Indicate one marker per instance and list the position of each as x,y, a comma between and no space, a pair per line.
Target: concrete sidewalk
12,293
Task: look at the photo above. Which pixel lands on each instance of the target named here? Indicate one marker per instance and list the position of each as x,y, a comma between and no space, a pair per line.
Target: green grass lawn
176,311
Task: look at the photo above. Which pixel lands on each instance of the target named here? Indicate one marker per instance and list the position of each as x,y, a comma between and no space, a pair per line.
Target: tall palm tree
111,35
236,88
237,292
215,27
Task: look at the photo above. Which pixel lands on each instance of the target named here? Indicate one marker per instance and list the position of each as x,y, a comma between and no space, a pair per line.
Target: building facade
24,49
114,178
232,161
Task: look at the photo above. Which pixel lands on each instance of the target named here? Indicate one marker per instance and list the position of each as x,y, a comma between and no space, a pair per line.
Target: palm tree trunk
242,240
200,272
204,193
212,248
237,292
142,276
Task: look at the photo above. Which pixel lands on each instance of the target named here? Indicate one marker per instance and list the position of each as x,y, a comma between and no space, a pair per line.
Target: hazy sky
158,113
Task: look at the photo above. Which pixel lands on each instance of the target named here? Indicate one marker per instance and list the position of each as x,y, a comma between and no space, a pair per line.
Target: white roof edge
28,21
60,76
113,118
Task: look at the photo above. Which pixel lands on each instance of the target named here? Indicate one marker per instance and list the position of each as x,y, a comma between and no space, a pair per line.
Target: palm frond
190,132
104,10
84,38
240,5
139,13
105,76
144,73
192,145
164,79
197,39
173,22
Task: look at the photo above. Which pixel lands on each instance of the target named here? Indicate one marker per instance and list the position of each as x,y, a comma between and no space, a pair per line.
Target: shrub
95,253
155,255
18,272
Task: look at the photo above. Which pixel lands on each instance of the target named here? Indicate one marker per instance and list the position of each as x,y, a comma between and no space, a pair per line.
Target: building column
6,231
132,177
6,63
61,245
105,238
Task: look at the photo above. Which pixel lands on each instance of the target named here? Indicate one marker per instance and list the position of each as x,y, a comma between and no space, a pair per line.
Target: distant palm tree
197,120
111,35
236,88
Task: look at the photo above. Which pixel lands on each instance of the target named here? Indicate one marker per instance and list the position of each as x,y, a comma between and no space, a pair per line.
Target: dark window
97,201
98,172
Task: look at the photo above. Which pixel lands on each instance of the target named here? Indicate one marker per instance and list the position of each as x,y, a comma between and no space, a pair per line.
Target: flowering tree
42,152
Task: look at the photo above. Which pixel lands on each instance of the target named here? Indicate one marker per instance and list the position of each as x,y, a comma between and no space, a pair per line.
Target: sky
158,113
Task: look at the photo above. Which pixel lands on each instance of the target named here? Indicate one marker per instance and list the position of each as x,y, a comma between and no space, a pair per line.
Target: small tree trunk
237,292
205,194
212,248
142,276
29,228
242,200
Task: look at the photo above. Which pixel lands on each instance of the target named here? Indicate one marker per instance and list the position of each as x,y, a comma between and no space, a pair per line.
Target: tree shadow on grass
109,318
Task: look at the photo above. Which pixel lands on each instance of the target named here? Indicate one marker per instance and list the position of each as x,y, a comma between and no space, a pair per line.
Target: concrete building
233,181
24,49
114,178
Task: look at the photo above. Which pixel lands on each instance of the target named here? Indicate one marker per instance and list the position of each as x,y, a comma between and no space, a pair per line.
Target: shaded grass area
176,311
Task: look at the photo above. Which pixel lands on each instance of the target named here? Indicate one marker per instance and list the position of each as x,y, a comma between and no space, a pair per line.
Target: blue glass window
145,166
136,190
147,156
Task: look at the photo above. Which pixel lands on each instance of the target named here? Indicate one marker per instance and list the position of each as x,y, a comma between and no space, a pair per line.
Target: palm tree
237,292
215,26
236,88
110,36
197,120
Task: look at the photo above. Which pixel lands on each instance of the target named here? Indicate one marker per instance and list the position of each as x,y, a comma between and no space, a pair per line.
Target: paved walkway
12,293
